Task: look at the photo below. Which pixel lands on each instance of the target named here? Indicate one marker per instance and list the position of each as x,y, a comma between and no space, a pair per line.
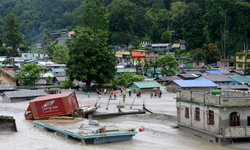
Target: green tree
198,54
49,79
192,26
166,37
24,47
94,15
60,54
29,74
67,83
121,16
212,52
90,59
12,36
127,78
168,63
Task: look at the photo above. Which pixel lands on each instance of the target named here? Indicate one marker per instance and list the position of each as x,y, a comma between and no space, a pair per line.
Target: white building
33,55
213,118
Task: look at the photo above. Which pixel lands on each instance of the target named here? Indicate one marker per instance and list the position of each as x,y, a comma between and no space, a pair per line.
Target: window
240,65
197,63
234,119
210,117
248,56
248,65
197,114
186,112
240,57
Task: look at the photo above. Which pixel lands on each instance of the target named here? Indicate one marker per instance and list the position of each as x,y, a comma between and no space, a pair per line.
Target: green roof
149,84
126,70
241,79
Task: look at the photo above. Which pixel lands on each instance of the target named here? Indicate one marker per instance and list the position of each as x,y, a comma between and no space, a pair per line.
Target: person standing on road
100,94
151,94
129,93
110,94
160,93
137,94
115,94
88,94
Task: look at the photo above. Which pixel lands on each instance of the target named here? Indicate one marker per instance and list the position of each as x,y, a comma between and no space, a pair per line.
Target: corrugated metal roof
193,76
241,79
234,87
217,77
54,96
126,70
167,78
27,93
213,72
60,74
58,70
150,84
195,83
61,78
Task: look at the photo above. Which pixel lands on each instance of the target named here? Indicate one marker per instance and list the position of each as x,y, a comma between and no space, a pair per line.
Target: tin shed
19,96
144,86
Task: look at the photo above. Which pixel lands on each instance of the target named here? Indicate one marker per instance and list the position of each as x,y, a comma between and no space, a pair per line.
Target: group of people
155,94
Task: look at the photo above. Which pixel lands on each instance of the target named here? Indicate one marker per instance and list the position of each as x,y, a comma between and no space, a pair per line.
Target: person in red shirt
114,94
137,94
158,93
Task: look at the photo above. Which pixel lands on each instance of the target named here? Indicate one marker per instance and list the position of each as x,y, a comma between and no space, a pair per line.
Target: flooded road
158,133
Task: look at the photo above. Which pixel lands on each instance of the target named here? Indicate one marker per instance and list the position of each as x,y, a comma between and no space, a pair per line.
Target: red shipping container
52,105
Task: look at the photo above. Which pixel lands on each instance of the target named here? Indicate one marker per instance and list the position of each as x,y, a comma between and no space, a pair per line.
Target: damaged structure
218,119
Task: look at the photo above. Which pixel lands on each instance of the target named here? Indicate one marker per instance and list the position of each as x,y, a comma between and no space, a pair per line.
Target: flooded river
158,134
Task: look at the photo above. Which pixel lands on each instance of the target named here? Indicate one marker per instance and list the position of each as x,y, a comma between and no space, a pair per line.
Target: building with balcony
240,60
138,57
218,119
161,47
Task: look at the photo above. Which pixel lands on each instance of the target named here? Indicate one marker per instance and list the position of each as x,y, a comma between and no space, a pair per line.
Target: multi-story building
138,57
218,119
240,60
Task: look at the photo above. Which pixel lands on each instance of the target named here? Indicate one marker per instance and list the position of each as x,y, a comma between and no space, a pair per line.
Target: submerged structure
88,131
7,124
218,119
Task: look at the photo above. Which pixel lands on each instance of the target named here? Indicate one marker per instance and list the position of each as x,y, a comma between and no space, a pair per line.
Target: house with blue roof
194,85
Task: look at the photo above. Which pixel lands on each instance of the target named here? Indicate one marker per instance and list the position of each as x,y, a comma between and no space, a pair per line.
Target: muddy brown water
158,134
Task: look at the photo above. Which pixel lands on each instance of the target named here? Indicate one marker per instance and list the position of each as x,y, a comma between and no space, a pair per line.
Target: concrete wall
198,97
195,123
185,95
183,119
235,94
235,131
212,100
235,101
203,123
215,128
243,111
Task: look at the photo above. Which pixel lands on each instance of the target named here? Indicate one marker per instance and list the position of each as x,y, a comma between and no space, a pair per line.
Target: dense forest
225,23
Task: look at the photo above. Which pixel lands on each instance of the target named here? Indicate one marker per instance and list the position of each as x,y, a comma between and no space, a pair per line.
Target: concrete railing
236,131
208,99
